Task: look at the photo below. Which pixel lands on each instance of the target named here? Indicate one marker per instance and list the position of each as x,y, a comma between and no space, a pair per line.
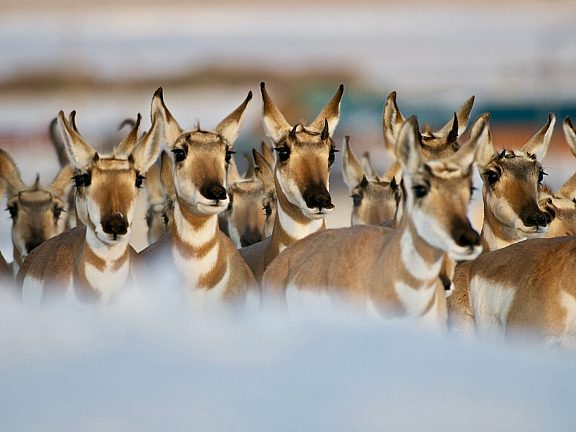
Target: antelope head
375,200
511,183
201,158
435,145
107,186
561,206
304,156
158,215
438,193
37,211
265,175
245,217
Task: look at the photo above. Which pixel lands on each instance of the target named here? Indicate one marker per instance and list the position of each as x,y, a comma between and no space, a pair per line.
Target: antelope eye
357,199
492,177
139,180
229,154
57,212
541,175
165,218
420,191
13,209
179,154
283,153
82,180
331,156
267,209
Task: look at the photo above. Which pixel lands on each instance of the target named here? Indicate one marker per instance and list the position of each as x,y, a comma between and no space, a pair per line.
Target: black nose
318,197
468,238
537,219
115,225
250,237
33,243
213,191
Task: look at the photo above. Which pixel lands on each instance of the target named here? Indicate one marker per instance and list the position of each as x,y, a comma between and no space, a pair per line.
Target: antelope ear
330,113
366,163
167,175
462,117
230,126
57,142
168,123
267,153
394,173
408,147
275,125
62,182
251,170
481,132
392,121
570,134
80,153
127,145
148,149
263,170
351,167
153,184
538,145
232,176
10,175
469,152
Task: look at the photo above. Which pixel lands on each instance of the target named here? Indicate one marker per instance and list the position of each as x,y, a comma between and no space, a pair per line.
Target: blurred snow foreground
147,363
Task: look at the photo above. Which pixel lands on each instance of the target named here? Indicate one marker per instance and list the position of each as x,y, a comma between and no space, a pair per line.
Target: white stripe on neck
295,229
191,235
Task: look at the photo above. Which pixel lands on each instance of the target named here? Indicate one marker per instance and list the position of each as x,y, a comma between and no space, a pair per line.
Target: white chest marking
295,229
107,282
414,263
491,303
416,301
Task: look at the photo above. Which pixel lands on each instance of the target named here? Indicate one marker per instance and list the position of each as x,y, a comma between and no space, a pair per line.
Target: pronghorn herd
411,251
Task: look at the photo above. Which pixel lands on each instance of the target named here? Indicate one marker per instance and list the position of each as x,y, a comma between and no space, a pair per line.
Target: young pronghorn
511,180
93,262
244,221
265,174
393,272
435,145
37,212
158,215
375,200
196,251
304,157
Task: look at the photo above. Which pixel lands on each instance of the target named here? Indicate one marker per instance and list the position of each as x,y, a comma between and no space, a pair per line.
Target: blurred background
106,58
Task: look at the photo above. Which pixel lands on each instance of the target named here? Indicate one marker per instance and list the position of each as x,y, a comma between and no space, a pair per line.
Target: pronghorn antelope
393,272
91,263
304,157
375,200
37,212
560,210
158,214
562,205
196,251
525,287
511,180
265,174
245,219
435,145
